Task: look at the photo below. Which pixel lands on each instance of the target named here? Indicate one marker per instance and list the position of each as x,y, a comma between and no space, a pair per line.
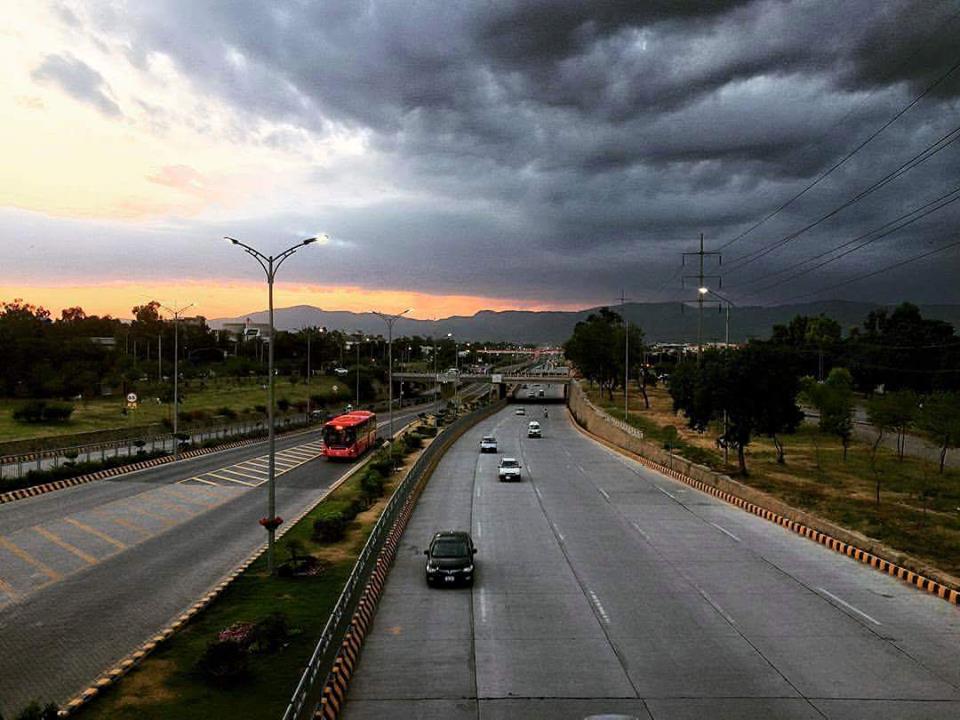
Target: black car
450,558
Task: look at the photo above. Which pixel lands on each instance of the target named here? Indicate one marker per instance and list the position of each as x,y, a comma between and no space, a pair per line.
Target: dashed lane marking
96,533
600,608
669,495
60,542
640,530
725,531
848,606
603,492
230,479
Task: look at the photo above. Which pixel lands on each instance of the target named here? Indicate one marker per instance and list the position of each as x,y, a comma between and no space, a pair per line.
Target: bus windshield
344,437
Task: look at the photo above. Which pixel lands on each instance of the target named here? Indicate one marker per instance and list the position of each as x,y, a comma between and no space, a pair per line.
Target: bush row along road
604,587
90,572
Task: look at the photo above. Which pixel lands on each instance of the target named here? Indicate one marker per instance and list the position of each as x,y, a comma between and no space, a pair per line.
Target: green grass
919,511
165,686
209,396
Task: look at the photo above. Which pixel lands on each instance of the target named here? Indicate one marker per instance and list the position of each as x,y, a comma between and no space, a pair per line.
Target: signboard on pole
496,378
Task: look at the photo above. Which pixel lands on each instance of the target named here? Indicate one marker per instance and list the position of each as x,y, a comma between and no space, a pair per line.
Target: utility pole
390,320
702,288
176,312
626,358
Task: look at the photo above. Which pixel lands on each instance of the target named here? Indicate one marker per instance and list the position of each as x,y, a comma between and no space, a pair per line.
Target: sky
461,156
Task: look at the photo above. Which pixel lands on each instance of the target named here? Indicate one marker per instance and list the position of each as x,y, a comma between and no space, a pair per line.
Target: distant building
240,332
107,342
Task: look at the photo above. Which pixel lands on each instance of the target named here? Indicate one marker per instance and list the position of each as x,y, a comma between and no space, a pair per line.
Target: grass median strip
193,675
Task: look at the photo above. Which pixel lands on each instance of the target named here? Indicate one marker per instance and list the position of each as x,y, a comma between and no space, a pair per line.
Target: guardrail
306,697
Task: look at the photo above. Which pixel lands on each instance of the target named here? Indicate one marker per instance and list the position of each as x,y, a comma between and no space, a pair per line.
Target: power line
892,266
918,213
921,157
846,157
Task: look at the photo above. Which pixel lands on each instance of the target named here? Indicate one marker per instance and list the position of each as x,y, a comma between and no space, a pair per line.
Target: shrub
382,463
228,412
262,409
34,711
371,484
223,663
330,527
412,441
270,634
40,411
283,405
670,437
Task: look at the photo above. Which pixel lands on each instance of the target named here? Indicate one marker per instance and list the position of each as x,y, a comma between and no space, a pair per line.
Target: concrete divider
621,436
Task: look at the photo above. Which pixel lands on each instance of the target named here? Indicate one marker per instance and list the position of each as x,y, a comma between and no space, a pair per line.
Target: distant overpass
558,376
522,351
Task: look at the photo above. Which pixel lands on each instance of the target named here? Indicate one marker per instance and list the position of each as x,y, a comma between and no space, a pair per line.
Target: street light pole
456,379
390,320
726,341
357,343
270,265
176,312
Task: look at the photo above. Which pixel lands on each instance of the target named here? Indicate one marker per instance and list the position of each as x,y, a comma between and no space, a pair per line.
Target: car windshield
449,549
489,440
509,463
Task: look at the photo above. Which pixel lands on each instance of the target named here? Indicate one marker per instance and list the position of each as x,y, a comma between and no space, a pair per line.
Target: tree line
907,366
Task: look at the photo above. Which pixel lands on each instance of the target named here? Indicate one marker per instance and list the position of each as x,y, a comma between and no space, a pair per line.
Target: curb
919,581
110,677
43,489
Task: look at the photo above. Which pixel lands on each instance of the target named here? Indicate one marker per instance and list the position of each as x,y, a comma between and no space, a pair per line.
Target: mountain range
661,322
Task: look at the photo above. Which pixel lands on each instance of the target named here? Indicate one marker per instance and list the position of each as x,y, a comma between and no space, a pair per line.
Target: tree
894,412
596,348
834,399
939,420
757,386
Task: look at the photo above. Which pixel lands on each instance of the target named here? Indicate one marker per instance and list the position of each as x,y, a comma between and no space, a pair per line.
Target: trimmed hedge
43,411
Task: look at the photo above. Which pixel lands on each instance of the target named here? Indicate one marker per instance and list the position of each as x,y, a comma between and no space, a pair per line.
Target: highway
89,573
603,587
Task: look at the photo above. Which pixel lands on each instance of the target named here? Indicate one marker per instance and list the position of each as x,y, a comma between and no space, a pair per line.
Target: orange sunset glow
235,299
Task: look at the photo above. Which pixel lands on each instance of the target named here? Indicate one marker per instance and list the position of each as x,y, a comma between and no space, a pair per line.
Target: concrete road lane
605,587
89,573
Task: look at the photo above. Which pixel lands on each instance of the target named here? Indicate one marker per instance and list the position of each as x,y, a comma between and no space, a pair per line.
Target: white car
341,371
533,429
520,411
488,443
509,469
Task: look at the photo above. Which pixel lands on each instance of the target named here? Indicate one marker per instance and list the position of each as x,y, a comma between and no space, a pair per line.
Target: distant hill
661,322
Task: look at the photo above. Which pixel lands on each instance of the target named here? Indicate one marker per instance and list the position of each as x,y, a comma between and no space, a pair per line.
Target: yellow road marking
165,520
230,479
200,480
192,499
122,523
57,540
4,587
29,559
98,533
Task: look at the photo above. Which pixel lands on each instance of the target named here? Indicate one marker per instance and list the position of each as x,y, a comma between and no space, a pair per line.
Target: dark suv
450,558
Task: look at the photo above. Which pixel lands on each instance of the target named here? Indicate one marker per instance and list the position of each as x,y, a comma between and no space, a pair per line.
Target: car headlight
431,568
468,569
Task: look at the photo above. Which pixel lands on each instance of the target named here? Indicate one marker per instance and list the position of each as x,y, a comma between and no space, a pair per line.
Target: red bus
349,435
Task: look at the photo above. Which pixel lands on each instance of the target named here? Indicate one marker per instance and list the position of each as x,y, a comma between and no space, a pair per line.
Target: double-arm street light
177,312
390,320
270,265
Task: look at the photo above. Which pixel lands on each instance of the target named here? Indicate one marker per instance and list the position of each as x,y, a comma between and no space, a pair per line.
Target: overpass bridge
555,377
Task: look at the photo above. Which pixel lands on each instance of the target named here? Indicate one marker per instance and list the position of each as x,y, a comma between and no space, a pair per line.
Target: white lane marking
669,495
230,479
848,606
247,475
604,493
580,468
483,606
640,530
599,606
725,531
537,491
715,605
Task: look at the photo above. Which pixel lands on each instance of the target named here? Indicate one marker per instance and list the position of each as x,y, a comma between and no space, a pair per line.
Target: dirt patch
148,685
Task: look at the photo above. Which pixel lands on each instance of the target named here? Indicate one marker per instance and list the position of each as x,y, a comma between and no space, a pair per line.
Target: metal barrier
307,694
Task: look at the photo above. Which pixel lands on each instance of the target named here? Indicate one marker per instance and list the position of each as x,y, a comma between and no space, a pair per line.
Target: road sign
496,378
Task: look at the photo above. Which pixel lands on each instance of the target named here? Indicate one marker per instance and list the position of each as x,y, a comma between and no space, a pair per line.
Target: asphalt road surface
603,587
89,573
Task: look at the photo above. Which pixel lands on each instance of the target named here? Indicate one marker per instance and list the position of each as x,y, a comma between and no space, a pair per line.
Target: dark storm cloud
79,81
584,140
